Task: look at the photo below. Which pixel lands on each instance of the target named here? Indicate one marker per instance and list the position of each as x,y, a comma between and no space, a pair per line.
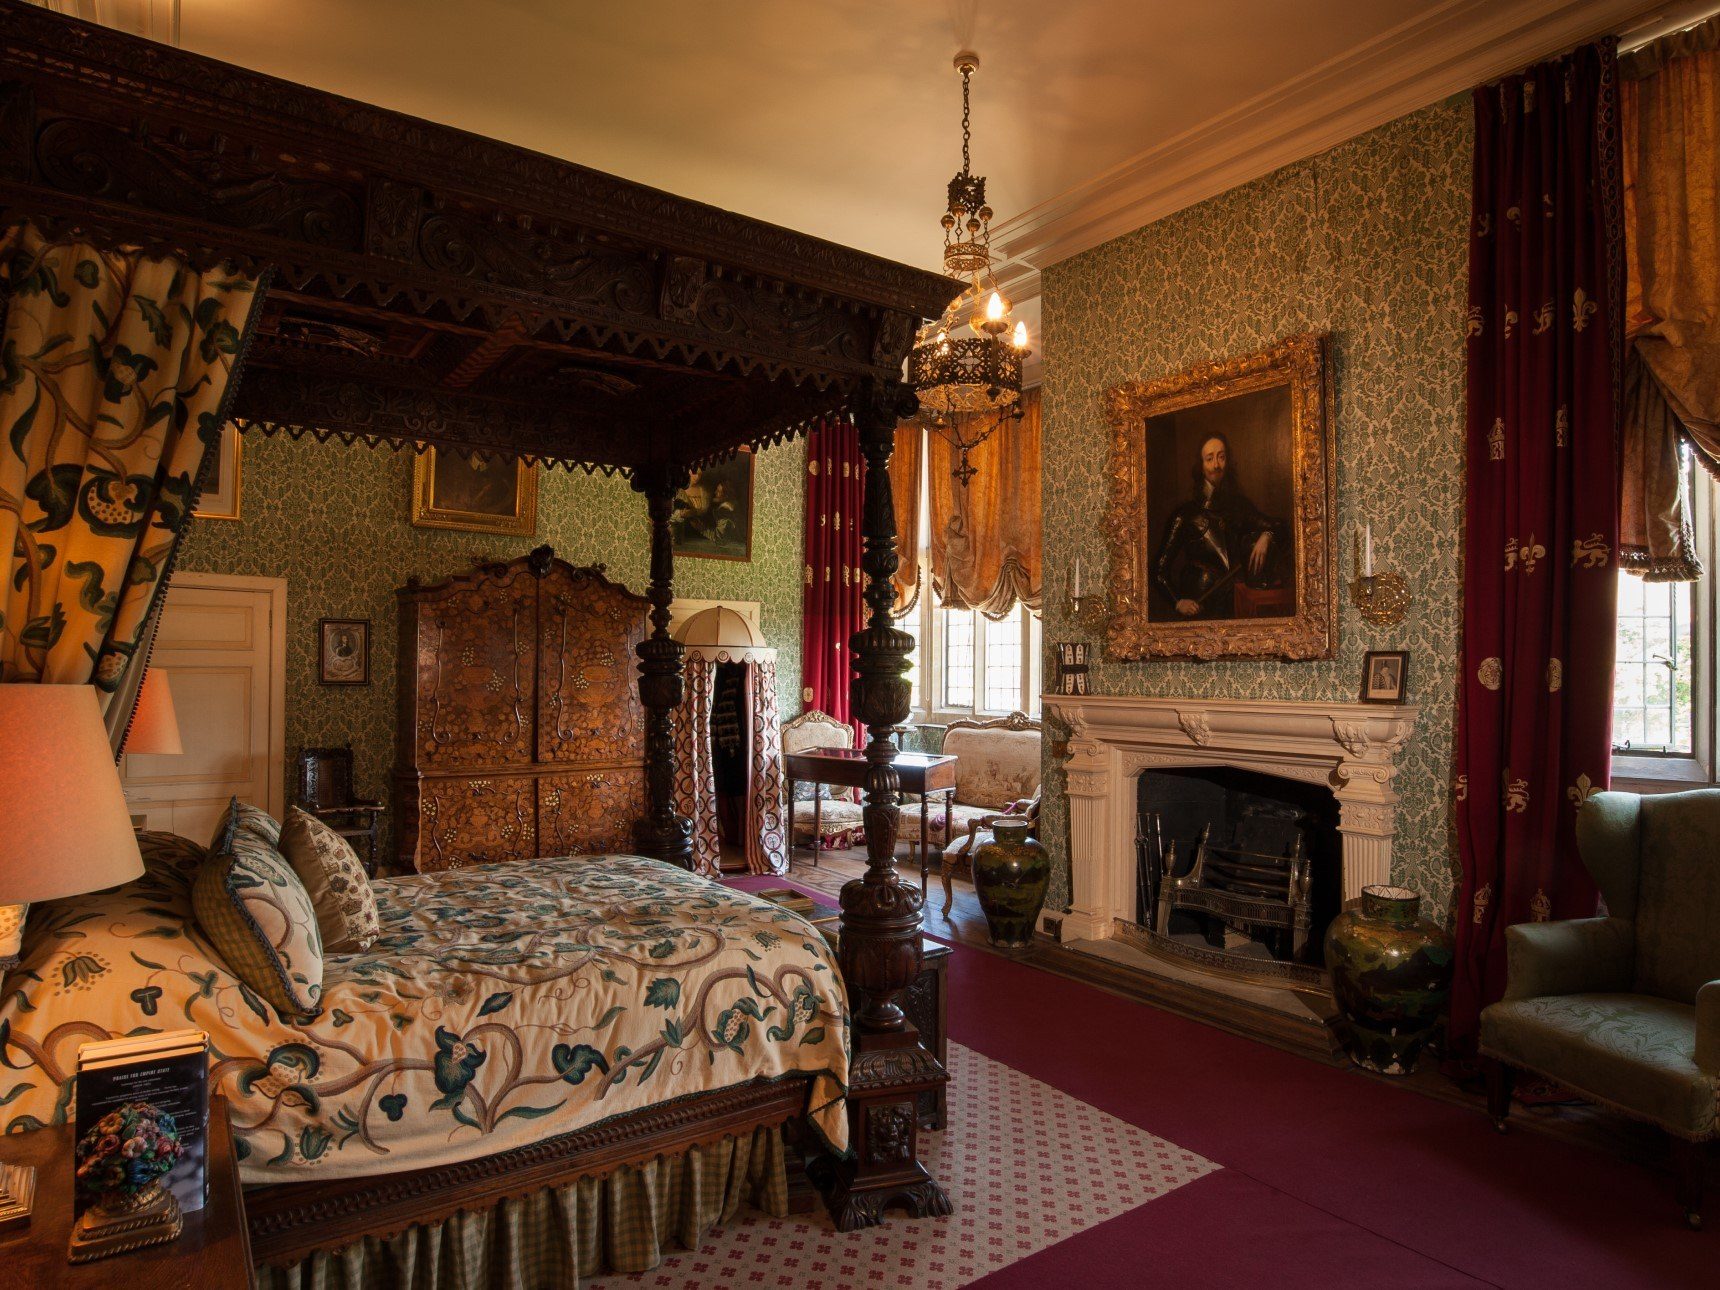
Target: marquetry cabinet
521,731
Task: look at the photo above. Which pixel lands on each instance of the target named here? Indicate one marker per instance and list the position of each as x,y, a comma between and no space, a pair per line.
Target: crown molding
1451,48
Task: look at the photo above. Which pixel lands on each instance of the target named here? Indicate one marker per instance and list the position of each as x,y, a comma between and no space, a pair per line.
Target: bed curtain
115,370
624,1222
831,608
765,820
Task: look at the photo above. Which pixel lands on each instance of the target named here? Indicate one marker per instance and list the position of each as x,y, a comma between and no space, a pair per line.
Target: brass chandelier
969,361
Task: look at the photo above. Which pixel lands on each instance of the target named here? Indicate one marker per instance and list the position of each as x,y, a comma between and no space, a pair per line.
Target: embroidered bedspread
502,1004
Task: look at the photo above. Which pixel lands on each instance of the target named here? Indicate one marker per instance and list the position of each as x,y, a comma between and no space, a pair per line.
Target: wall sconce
1084,602
1381,598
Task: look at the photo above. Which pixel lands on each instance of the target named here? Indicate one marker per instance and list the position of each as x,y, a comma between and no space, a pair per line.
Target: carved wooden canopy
432,286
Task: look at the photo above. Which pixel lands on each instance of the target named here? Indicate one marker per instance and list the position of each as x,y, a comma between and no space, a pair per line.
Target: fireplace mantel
1350,747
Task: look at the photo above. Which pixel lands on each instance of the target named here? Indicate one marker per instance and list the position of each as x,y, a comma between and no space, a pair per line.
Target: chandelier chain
967,132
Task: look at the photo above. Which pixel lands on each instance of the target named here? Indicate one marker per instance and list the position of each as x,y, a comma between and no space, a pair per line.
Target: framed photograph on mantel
1221,507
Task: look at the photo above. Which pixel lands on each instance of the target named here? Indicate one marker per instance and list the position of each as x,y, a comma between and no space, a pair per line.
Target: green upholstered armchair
1625,1010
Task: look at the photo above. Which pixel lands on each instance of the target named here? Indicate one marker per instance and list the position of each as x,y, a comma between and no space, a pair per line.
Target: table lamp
154,723
64,830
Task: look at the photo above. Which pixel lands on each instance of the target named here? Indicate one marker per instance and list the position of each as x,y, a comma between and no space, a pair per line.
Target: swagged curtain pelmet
985,539
115,367
1670,115
831,608
1544,342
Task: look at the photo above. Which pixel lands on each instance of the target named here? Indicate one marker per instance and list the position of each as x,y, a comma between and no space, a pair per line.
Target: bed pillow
335,881
253,819
256,912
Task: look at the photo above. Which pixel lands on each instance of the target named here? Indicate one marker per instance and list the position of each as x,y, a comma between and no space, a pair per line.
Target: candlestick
1077,591
1368,547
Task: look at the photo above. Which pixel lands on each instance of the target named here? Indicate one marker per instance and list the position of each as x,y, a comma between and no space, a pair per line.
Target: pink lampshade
154,724
64,825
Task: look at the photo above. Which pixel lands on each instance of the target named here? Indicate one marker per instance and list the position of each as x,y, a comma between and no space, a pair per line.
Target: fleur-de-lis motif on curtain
809,575
1516,794
1581,791
1460,788
1515,215
1540,908
1510,321
1483,898
1525,554
1475,326
1582,309
1484,224
812,465
1496,441
1591,552
1562,427
1543,318
1555,675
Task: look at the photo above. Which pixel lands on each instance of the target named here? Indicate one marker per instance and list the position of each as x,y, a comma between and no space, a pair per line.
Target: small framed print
1385,675
220,497
343,651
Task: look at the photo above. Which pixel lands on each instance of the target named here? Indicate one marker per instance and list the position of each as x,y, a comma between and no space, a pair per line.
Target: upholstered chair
830,817
1625,1009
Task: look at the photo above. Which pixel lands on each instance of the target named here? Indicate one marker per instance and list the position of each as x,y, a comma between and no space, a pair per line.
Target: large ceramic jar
1391,974
1010,874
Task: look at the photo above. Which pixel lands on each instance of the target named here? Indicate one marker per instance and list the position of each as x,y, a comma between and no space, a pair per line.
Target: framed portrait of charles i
1220,515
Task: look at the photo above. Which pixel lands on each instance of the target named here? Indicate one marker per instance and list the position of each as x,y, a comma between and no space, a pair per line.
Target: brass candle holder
1382,599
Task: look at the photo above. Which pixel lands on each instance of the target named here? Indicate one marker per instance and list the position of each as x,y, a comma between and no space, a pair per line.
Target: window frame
1651,772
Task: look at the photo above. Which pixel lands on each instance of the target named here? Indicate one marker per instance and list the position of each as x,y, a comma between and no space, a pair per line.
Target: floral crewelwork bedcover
502,1004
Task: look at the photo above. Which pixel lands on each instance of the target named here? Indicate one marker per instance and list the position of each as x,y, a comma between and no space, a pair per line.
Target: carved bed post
662,834
880,913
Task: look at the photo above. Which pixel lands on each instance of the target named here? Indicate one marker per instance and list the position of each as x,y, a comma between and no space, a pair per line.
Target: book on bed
169,1070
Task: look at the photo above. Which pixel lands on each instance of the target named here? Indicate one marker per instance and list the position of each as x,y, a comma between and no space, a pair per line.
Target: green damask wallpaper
332,521
1366,241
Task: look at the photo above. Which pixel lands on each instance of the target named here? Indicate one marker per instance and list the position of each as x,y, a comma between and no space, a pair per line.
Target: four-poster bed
428,287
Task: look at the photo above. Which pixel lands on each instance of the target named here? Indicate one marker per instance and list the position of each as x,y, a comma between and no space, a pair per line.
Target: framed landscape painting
1220,512
454,490
713,514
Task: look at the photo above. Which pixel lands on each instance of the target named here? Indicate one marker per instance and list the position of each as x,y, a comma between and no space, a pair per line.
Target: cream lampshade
64,825
154,723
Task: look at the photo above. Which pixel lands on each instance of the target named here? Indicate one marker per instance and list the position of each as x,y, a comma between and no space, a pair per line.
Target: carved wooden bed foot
889,1073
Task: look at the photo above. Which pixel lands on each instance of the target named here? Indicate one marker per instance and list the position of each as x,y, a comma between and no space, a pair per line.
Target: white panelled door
222,642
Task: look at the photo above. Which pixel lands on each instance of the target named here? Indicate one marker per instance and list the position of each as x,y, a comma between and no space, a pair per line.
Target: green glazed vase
1010,875
1391,975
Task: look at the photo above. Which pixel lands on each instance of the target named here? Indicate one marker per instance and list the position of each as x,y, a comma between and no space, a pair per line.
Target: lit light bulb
1021,335
994,308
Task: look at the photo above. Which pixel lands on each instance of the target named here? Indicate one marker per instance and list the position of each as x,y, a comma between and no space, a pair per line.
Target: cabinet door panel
476,821
588,692
475,676
590,812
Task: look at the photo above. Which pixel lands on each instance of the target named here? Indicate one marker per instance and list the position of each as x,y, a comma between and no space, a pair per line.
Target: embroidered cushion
256,912
253,819
335,881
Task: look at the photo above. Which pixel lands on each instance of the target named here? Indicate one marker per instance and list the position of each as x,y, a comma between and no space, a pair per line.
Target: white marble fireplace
1349,747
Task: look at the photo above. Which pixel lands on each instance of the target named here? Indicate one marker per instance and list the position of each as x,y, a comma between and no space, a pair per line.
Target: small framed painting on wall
343,651
1385,675
220,497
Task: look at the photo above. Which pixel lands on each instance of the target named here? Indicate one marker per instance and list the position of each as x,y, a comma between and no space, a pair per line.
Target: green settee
1625,1010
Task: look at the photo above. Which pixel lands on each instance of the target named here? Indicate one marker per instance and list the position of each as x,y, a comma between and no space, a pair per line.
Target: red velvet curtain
1546,290
831,605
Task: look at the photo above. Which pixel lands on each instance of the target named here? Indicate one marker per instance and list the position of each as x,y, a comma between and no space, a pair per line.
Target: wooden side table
213,1252
922,773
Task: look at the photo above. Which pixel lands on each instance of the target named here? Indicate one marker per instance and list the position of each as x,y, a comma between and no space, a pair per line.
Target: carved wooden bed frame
426,286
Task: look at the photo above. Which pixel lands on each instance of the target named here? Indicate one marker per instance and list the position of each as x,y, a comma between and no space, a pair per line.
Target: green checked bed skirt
625,1222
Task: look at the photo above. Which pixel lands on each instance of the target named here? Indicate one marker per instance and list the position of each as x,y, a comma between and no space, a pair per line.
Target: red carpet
1329,1178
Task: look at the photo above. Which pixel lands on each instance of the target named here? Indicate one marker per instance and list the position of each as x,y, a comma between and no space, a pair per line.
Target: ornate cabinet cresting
521,733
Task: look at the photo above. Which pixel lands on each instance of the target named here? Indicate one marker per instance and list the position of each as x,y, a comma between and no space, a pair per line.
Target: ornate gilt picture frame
492,494
1220,516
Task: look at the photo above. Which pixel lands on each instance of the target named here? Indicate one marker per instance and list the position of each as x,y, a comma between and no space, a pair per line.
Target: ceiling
841,118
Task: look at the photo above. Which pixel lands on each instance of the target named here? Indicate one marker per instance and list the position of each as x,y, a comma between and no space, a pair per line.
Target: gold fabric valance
985,539
1670,110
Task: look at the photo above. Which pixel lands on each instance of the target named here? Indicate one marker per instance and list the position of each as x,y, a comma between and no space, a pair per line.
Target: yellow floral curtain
115,367
985,539
1670,117
905,492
